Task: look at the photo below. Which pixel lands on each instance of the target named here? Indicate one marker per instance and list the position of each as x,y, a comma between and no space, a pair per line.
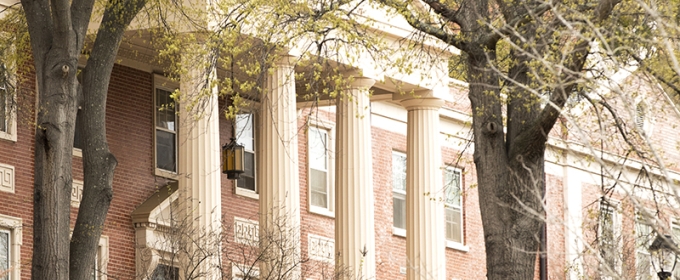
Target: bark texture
57,30
509,154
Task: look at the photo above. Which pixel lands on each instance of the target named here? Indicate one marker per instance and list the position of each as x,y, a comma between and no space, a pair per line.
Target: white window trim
161,82
645,250
13,225
616,212
238,269
402,194
103,257
241,191
330,131
11,133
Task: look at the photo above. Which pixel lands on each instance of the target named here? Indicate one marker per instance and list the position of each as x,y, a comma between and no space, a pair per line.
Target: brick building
340,173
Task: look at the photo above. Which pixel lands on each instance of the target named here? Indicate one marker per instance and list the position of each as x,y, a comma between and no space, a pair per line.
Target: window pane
165,150
399,172
454,226
318,149
77,136
247,179
452,185
608,248
244,131
4,253
165,272
399,213
319,190
165,110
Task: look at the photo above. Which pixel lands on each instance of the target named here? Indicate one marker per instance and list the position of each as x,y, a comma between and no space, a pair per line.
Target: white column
573,217
354,222
199,171
425,236
277,174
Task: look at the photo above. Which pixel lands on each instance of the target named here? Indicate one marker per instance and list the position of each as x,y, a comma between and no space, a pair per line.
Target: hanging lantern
663,253
232,159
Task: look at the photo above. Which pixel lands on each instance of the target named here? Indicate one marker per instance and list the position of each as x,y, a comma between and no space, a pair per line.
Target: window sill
457,246
246,193
322,211
166,174
77,152
11,137
399,231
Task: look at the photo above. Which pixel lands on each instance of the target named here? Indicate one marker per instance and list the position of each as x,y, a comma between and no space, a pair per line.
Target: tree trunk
510,184
53,152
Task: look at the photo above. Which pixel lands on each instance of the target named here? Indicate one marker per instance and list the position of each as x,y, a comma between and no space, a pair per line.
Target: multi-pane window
166,131
165,272
608,241
454,206
643,238
7,113
399,191
320,180
5,254
245,135
675,230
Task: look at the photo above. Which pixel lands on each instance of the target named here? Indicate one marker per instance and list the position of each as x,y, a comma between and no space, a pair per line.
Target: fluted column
199,172
277,175
425,236
354,222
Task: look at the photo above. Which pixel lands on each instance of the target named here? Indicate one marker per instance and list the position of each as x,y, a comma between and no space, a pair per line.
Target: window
166,128
10,246
320,171
165,272
78,141
244,272
245,135
5,253
454,206
608,238
7,112
675,230
399,192
643,238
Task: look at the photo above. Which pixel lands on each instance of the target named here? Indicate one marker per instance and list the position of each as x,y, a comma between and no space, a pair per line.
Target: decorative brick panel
321,248
6,178
76,193
246,231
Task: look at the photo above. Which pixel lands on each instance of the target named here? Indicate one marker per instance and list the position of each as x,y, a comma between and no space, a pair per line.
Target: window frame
238,269
398,194
450,243
14,227
615,208
163,83
254,194
10,111
642,248
329,129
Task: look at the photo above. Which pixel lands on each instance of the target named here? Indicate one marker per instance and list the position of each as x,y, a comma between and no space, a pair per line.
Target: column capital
423,103
361,83
285,60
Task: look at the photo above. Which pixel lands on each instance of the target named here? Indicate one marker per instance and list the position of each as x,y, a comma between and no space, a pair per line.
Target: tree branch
39,28
516,22
443,11
81,12
434,31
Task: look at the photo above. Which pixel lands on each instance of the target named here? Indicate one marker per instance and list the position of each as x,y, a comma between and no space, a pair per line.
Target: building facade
381,182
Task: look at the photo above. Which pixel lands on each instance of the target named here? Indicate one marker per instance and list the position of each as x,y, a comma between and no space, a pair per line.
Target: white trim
14,226
238,269
7,178
103,257
617,232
